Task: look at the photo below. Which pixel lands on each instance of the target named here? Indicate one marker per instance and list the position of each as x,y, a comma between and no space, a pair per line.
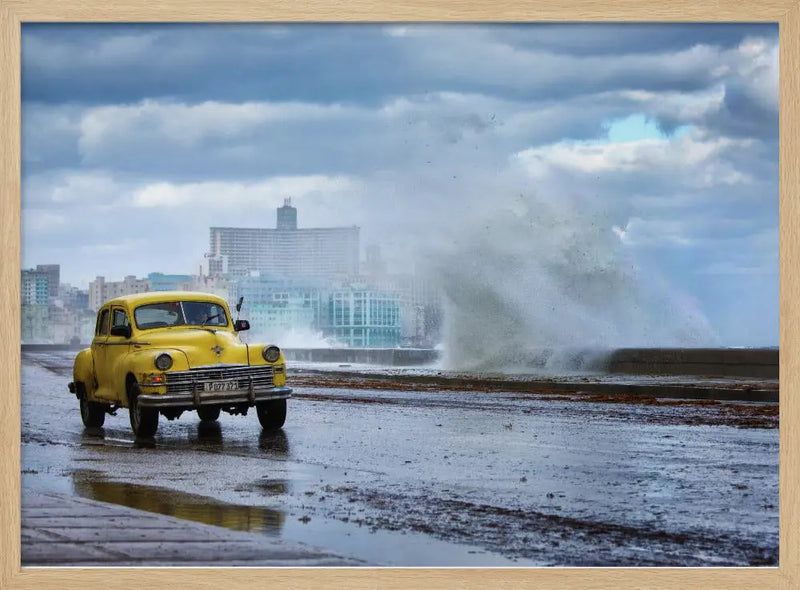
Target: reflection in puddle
274,443
209,434
180,504
206,436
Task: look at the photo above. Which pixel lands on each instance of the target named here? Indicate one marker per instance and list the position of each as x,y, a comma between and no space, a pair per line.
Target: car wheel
271,414
92,413
144,421
208,413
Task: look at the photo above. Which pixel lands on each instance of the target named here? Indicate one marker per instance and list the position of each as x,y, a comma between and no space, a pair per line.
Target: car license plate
221,386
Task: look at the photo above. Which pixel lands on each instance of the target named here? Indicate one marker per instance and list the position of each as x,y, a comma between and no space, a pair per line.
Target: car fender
83,371
143,361
255,358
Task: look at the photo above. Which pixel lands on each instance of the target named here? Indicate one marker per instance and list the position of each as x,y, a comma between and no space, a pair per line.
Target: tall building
53,272
35,287
35,297
287,216
286,250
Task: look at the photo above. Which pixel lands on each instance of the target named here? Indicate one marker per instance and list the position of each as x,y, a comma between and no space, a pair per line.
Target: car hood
202,346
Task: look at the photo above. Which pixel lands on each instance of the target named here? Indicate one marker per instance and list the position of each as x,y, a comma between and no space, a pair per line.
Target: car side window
102,323
119,318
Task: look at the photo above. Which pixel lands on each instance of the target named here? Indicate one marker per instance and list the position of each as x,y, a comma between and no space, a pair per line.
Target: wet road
432,478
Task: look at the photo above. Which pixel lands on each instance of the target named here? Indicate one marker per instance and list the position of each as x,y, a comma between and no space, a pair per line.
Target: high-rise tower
287,215
285,250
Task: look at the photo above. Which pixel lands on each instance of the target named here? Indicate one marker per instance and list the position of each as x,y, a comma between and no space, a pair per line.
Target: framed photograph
504,288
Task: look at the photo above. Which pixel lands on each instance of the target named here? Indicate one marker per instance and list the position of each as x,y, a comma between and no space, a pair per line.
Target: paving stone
65,530
63,522
210,551
123,534
62,553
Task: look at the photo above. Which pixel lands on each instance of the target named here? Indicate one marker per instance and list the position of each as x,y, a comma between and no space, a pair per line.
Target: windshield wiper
209,318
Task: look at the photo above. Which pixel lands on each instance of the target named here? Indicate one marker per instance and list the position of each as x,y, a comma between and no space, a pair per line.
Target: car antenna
239,307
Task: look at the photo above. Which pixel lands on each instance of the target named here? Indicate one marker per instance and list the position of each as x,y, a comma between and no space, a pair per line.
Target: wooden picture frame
15,12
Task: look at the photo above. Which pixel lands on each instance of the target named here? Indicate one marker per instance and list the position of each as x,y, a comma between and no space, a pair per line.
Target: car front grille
184,381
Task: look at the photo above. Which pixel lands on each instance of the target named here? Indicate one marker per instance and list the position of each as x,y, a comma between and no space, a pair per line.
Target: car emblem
218,350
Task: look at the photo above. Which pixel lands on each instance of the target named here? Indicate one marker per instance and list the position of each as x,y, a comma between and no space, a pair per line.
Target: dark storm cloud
744,115
359,63
127,63
586,39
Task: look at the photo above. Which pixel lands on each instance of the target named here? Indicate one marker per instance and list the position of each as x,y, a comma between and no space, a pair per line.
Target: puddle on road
378,547
183,505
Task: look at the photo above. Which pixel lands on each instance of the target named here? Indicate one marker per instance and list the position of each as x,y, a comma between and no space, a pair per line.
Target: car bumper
213,398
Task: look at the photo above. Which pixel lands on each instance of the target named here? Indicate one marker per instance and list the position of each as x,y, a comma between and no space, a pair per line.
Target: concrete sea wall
721,362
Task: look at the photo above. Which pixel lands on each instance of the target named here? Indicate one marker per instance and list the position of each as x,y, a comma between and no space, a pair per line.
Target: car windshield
180,313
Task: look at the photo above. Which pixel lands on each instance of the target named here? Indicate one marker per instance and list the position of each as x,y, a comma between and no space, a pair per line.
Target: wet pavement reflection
179,504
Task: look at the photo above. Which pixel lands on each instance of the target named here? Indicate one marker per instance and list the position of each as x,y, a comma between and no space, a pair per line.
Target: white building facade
101,290
284,251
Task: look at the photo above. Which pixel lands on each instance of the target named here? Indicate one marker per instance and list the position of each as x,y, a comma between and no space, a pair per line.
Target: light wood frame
15,12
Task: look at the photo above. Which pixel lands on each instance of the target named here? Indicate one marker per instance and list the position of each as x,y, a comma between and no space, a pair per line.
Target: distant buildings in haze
101,290
52,312
347,313
304,280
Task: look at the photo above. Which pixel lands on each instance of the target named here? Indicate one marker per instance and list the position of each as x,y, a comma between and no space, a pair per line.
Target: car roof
161,296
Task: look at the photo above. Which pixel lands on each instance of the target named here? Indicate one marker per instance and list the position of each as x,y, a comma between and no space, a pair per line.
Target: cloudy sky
630,168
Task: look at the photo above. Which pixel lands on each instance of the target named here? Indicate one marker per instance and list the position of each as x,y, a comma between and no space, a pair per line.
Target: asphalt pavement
376,469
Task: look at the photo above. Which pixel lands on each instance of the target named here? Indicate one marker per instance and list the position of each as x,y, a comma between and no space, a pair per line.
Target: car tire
92,413
208,413
271,414
144,421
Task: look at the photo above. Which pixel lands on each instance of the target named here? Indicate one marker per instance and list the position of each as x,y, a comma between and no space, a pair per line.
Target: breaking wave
550,286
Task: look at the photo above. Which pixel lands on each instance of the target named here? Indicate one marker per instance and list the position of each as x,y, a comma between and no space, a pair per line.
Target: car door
99,352
116,348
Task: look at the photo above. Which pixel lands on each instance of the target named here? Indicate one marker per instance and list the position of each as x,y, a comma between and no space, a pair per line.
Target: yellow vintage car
165,353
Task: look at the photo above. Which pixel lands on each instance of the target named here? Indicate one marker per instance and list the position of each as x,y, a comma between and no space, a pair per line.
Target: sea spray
547,284
295,337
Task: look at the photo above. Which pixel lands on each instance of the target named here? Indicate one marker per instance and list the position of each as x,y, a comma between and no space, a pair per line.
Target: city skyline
344,261
573,164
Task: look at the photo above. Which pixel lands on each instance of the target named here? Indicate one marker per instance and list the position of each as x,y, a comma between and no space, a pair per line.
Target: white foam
547,283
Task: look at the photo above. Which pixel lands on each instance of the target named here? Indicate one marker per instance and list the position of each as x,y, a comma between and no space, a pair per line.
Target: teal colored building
356,315
363,317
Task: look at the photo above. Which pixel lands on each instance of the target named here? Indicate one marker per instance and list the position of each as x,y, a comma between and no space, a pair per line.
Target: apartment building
35,287
285,250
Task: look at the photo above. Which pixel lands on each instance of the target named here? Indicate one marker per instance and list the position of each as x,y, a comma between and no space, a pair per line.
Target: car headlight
271,353
163,361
